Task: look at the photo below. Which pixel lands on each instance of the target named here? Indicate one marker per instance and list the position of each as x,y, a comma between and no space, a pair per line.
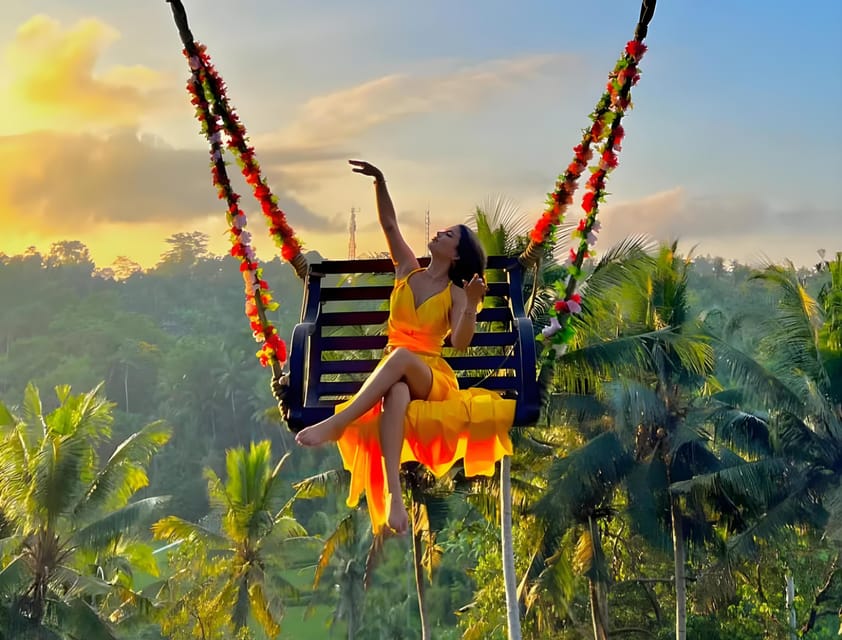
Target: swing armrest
528,401
299,351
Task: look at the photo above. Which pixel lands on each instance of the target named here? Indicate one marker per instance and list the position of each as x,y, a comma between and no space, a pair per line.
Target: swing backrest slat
340,338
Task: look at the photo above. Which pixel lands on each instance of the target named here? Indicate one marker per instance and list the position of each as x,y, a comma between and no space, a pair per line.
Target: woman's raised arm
402,255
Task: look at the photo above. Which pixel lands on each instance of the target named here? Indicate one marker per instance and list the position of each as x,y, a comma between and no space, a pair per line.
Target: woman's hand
366,169
475,291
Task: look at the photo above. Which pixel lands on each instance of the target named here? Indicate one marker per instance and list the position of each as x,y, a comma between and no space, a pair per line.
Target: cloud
346,114
61,181
733,225
55,82
677,213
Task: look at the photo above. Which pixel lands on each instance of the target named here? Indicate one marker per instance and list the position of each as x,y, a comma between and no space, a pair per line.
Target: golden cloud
55,82
61,182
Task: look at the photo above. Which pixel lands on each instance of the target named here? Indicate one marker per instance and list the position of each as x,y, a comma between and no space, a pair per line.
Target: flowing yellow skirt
451,424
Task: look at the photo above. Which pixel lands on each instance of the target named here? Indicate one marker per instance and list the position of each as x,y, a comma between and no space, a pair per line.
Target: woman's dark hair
471,258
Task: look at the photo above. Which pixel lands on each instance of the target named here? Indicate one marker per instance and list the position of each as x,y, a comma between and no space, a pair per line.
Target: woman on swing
384,425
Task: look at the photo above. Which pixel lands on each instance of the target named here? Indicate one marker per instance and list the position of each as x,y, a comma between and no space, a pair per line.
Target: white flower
574,306
553,328
239,221
194,63
245,237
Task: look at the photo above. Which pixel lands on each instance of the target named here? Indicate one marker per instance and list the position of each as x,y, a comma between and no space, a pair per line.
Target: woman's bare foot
398,517
325,431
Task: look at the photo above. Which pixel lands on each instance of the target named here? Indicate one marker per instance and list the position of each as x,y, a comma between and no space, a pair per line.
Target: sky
733,145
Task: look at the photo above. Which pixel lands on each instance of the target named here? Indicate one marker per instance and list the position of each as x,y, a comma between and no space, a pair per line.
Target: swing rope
214,112
607,131
216,116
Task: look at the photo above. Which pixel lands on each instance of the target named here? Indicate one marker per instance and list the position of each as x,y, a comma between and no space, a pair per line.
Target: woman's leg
391,441
399,366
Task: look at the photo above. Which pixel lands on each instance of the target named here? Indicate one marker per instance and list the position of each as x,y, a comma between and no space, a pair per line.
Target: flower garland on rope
208,95
606,128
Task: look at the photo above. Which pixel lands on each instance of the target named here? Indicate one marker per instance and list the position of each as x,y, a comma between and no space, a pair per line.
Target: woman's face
445,243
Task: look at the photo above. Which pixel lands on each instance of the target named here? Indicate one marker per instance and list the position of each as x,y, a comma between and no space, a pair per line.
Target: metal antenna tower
352,230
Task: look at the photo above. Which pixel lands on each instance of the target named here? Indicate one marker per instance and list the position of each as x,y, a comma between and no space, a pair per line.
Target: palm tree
257,528
63,509
500,232
350,549
644,381
784,418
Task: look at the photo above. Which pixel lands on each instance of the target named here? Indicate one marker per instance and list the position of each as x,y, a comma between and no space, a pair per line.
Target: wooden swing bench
340,339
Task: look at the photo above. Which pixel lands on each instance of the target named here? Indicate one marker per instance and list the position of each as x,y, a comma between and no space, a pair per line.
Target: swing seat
340,339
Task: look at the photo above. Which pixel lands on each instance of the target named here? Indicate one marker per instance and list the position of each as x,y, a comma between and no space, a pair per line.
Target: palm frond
88,415
33,411
499,223
118,523
646,485
267,609
57,475
7,420
751,485
75,584
81,620
757,382
575,407
174,529
344,534
634,403
582,480
240,614
796,439
833,503
624,263
317,486
742,431
124,473
13,575
374,555
797,507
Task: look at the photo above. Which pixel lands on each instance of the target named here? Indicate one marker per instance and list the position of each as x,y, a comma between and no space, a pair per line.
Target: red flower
596,130
582,224
289,251
561,307
635,49
610,158
582,154
588,201
576,298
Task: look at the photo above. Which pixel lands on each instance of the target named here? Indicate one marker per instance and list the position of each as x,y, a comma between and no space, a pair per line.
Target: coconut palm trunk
597,591
680,575
507,549
420,589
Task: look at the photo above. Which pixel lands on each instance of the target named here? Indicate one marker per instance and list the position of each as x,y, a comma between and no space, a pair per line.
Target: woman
411,408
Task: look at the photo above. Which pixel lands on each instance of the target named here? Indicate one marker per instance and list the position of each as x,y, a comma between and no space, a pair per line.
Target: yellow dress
449,425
